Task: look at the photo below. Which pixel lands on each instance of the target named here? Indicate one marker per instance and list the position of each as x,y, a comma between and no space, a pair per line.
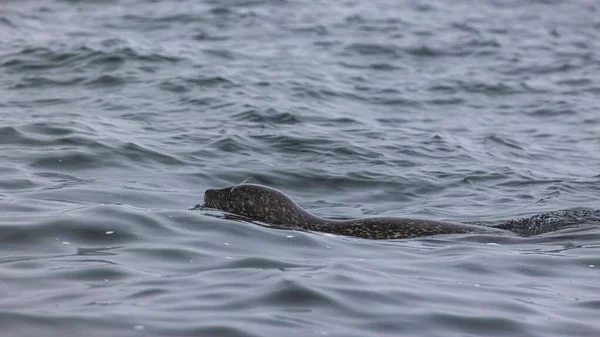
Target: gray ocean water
116,115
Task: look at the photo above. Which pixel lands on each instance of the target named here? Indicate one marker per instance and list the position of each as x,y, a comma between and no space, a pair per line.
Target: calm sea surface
115,116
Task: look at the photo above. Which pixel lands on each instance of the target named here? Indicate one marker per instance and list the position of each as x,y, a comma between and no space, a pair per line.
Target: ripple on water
117,116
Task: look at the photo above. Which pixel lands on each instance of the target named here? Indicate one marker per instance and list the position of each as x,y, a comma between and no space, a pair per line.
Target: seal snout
210,197
210,194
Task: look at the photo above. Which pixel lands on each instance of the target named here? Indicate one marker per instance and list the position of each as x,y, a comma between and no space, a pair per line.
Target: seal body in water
268,205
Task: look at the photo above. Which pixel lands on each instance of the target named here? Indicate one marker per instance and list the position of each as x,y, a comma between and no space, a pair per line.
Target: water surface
115,116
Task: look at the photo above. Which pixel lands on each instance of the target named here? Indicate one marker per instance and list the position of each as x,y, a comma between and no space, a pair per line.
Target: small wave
552,112
106,81
75,146
140,154
69,160
78,57
270,116
7,22
372,49
45,81
504,141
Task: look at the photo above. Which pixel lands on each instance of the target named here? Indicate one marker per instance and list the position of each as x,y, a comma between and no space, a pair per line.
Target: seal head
259,203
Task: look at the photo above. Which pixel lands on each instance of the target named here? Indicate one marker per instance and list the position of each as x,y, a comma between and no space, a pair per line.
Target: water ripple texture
115,116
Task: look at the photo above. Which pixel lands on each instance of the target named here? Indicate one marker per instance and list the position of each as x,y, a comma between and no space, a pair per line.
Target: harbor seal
270,206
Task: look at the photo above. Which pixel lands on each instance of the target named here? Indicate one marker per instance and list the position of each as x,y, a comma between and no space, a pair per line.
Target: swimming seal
268,205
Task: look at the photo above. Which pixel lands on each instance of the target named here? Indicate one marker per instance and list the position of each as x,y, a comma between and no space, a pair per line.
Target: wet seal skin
268,205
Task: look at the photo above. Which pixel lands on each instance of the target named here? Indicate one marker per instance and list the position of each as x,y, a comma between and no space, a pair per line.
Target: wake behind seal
268,205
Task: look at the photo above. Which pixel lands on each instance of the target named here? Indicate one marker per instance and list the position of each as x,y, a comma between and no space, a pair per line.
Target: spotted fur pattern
268,205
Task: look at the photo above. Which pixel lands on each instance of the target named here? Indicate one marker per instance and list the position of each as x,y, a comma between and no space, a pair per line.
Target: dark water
115,116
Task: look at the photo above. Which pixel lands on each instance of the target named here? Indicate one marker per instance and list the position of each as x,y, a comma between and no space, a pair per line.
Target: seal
270,206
